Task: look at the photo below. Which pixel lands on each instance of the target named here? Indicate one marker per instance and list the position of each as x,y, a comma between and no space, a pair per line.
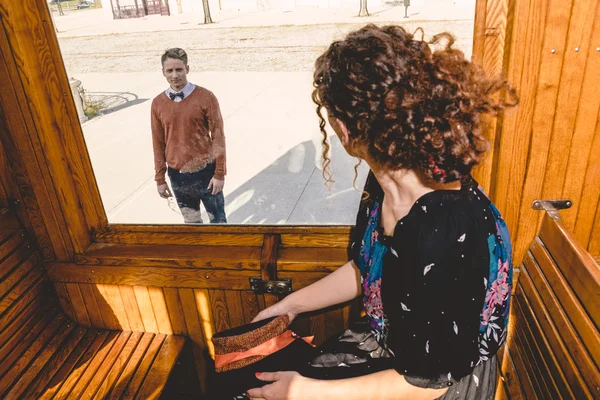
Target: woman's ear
345,137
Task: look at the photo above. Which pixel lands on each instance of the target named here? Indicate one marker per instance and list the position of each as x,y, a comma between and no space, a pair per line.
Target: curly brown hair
405,105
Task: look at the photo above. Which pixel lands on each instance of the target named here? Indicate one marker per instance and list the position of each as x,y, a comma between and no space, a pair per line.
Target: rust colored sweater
187,135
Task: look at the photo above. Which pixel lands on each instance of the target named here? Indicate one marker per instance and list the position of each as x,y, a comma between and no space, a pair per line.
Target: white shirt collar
187,90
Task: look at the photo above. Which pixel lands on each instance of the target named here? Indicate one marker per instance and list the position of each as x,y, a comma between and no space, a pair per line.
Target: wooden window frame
56,193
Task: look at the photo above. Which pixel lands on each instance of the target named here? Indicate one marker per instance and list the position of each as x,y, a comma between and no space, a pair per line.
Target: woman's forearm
338,287
384,385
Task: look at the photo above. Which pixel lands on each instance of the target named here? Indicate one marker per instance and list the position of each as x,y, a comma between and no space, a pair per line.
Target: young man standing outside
188,142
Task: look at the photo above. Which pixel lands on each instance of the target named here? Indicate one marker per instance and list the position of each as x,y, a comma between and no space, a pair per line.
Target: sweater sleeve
215,126
158,145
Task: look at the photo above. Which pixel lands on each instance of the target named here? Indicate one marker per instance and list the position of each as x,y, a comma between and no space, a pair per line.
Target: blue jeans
192,188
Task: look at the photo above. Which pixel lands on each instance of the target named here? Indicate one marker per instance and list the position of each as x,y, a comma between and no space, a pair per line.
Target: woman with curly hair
431,255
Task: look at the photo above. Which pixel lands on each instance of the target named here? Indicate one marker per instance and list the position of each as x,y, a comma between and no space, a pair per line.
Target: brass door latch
280,287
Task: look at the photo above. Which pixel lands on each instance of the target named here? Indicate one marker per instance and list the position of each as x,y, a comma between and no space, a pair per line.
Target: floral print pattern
371,267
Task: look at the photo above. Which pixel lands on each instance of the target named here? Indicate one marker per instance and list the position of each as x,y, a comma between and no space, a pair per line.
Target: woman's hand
286,386
274,311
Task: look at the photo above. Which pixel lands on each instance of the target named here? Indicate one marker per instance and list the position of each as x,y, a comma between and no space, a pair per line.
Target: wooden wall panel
545,146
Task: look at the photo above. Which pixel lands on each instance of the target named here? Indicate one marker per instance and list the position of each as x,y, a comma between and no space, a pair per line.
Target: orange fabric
267,348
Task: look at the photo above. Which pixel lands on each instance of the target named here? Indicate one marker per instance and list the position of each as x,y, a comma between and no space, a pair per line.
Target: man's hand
164,191
216,185
286,386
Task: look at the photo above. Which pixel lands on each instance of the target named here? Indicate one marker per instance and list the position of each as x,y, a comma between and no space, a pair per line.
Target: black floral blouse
437,292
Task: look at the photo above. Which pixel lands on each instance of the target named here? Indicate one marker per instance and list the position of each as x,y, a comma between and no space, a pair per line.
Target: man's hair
175,53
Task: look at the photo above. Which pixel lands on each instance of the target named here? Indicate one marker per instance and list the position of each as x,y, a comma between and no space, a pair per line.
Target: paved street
261,73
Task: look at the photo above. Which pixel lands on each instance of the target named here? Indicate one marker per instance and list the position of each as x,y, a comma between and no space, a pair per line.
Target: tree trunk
363,9
207,18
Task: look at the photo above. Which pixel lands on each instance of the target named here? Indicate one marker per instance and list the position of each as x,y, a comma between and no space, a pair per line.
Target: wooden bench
553,348
43,354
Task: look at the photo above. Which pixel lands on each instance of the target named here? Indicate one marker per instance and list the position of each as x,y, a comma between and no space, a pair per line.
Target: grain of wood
175,311
145,308
195,331
36,388
234,307
91,304
131,308
161,313
105,366
79,306
112,296
64,300
118,366
159,372
69,372
220,311
120,385
109,318
146,363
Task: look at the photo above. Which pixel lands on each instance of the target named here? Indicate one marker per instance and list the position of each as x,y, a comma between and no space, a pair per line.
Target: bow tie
174,95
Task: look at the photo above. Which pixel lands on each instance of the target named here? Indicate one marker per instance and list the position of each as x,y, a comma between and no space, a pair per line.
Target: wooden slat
538,366
489,45
146,276
158,237
24,321
117,367
112,297
195,331
36,387
562,350
74,366
79,306
334,322
220,313
104,368
159,372
569,97
97,361
530,369
586,214
234,307
40,287
9,375
144,366
132,308
109,319
36,273
565,297
58,129
161,313
522,373
577,265
145,308
311,259
21,272
530,322
569,336
18,257
129,369
584,123
176,256
13,243
510,377
175,311
40,360
546,94
249,305
23,336
89,298
64,300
